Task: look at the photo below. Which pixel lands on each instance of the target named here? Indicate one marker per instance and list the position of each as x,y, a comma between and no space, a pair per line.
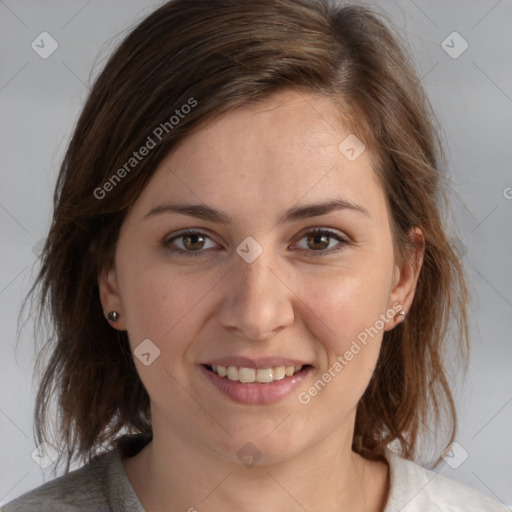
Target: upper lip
265,362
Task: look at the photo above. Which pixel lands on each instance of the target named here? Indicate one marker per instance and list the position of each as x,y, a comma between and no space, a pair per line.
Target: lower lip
256,393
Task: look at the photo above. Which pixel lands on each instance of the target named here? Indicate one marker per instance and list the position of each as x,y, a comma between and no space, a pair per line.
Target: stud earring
113,316
402,315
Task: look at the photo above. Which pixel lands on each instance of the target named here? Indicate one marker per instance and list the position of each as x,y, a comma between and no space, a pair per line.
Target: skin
254,164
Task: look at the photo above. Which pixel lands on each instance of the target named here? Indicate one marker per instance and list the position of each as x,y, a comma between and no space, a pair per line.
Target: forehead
269,155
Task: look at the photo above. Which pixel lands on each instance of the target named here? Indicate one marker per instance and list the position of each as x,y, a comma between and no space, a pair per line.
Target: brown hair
215,56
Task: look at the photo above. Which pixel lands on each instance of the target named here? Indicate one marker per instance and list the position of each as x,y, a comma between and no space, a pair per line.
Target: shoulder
416,489
75,491
101,485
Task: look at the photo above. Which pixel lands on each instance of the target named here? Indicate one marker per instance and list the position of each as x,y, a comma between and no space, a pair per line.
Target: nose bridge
256,303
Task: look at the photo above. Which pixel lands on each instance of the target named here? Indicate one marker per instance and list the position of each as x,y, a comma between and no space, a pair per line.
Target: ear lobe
110,298
406,274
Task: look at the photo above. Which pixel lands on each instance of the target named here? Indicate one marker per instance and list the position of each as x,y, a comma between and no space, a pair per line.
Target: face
257,283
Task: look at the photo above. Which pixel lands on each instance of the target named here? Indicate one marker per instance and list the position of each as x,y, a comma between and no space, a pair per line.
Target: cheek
345,313
164,308
159,305
344,304
346,319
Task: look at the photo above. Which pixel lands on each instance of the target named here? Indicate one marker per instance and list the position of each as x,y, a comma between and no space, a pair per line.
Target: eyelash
315,231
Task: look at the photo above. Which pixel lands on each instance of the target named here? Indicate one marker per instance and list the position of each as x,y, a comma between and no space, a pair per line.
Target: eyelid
184,232
343,240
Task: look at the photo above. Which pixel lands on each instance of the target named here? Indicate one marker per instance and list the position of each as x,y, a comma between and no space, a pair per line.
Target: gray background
472,94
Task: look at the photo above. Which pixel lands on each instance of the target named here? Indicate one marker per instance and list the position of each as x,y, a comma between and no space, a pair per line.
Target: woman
248,272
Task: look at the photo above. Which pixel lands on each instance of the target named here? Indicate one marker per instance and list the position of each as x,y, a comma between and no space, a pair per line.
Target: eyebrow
205,212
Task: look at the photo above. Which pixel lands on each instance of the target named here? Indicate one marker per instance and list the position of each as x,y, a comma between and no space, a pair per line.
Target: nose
257,301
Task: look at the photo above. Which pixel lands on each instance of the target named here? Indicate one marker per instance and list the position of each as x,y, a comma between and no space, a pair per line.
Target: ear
405,275
110,297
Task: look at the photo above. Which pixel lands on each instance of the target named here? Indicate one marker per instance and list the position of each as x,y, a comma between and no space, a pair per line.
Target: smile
256,386
247,375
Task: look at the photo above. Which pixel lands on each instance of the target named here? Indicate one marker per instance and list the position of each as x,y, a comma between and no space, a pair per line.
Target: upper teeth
243,374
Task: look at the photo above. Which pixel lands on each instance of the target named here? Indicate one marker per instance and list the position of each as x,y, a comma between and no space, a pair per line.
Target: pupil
192,237
321,237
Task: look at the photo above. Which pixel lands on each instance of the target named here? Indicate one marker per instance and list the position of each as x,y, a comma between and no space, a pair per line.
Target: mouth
256,386
247,375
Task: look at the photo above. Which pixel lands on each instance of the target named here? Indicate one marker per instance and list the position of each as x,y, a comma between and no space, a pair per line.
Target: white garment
416,489
102,486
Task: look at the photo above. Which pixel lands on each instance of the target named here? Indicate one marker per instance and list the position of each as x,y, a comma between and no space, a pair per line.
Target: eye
191,241
318,240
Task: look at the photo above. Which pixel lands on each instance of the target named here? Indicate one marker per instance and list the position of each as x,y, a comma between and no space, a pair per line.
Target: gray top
102,486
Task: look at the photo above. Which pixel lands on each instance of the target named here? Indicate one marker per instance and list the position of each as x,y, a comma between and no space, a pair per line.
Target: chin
259,448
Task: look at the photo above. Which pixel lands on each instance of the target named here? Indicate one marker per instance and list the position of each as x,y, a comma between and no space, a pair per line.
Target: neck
176,473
